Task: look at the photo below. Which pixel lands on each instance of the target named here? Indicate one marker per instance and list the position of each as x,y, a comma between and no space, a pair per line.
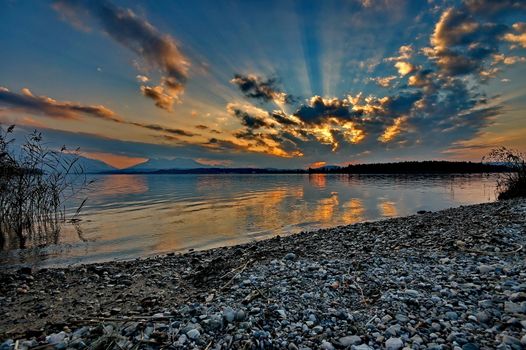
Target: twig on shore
239,270
357,286
371,320
43,346
480,252
127,319
261,292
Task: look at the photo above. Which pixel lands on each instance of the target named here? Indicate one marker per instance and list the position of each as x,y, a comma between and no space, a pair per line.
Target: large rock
350,340
394,344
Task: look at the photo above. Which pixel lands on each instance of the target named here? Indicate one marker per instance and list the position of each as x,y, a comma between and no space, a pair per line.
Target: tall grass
35,182
511,184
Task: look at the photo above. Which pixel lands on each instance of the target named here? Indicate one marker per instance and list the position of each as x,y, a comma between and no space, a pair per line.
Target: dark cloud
264,90
283,119
157,127
158,50
401,104
461,42
248,120
317,109
43,105
218,145
201,127
494,7
467,36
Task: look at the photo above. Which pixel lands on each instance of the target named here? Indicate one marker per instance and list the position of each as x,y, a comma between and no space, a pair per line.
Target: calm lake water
129,216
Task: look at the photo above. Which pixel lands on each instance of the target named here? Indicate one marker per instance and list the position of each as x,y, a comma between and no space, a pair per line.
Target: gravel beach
453,279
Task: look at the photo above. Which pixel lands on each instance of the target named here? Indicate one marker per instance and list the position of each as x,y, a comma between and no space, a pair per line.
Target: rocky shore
454,279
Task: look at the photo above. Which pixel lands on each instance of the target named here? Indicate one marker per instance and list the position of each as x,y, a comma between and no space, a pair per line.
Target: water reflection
119,185
318,180
354,211
388,208
138,215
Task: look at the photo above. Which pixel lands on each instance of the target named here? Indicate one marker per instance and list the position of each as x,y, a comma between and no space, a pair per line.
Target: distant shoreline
368,280
408,167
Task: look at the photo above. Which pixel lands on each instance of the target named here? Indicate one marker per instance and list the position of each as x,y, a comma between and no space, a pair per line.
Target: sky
283,84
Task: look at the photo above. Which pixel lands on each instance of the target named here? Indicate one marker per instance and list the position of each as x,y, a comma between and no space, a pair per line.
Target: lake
130,216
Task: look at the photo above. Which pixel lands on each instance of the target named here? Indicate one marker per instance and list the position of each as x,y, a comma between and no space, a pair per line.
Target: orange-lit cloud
384,81
404,68
393,130
520,37
43,105
317,164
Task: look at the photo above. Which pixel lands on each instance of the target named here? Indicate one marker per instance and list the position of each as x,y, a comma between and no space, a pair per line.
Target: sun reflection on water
138,215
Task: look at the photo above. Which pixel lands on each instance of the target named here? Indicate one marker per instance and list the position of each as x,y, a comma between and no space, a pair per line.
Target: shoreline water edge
452,279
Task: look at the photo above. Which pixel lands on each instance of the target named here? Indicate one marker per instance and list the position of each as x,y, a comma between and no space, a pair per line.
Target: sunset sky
283,84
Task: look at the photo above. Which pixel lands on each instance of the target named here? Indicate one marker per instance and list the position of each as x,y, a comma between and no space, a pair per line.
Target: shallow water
129,216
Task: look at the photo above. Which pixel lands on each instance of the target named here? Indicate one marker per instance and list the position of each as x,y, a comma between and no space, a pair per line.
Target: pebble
394,344
350,340
229,315
290,256
486,268
193,334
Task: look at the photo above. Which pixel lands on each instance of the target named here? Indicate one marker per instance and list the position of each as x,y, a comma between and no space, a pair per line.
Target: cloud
422,78
156,49
250,121
162,99
440,103
461,41
402,63
250,116
384,81
142,78
404,68
492,7
432,110
507,60
405,53
282,118
326,121
43,105
393,130
520,37
157,127
264,90
434,99
27,102
317,109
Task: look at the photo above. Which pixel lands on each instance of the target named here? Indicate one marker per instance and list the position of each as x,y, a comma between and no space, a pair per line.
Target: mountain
165,164
94,166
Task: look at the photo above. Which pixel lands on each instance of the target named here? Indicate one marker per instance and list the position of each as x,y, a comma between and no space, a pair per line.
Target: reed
35,182
510,184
